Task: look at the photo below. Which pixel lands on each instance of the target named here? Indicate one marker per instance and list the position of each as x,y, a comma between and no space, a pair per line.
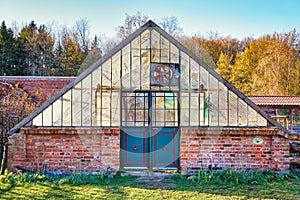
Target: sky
235,18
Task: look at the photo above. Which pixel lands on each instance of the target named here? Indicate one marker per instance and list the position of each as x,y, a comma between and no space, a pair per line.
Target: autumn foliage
269,65
15,104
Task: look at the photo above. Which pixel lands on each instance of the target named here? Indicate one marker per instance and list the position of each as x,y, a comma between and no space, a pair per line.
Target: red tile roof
46,85
275,100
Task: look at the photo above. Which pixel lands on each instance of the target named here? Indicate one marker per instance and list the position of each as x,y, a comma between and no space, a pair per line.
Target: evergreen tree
93,56
7,51
72,56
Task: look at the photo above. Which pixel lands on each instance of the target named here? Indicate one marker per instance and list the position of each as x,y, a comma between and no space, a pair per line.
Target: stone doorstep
146,174
148,177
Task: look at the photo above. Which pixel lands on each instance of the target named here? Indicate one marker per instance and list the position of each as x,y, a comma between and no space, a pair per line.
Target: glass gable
150,73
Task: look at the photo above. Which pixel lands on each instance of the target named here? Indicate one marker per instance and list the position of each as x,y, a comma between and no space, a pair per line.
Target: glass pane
115,109
243,113
38,120
105,109
184,71
155,44
159,115
261,121
145,69
223,105
145,40
47,116
98,105
67,109
136,73
184,109
194,75
96,97
159,102
233,109
203,113
174,54
126,77
86,101
170,115
213,102
203,79
140,102
165,50
57,113
76,105
194,101
170,101
106,76
252,117
116,62
194,117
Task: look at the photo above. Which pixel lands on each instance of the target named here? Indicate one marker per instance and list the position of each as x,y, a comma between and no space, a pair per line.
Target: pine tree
93,55
72,56
7,50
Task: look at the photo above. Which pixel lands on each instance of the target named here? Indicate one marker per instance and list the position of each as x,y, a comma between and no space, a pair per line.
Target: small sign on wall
257,140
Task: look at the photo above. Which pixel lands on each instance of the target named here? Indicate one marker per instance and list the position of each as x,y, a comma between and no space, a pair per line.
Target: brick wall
65,150
233,149
73,150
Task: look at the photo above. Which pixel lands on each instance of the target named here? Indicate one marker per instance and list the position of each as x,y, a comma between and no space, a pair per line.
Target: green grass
220,185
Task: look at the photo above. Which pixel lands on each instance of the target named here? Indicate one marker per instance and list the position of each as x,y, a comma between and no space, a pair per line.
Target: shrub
76,179
250,177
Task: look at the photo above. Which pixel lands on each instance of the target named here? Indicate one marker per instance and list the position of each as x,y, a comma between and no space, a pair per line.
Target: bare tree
107,44
15,105
171,25
132,23
81,29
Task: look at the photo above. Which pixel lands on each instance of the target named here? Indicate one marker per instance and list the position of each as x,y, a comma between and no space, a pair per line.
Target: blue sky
237,18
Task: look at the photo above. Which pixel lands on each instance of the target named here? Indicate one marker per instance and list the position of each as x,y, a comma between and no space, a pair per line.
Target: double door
150,133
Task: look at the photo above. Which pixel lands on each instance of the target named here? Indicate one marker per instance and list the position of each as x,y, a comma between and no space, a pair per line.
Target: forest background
268,65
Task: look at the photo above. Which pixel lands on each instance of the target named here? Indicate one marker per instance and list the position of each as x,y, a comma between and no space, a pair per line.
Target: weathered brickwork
233,149
65,150
73,150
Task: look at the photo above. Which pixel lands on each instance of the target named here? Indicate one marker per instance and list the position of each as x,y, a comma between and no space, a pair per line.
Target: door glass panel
163,109
135,109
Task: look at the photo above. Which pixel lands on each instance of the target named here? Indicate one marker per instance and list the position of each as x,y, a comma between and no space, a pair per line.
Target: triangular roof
148,25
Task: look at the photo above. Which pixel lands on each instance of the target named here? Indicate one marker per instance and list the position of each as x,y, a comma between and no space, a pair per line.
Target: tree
194,45
106,44
171,25
15,104
71,56
36,49
269,66
131,24
81,30
94,55
224,67
242,71
277,71
7,50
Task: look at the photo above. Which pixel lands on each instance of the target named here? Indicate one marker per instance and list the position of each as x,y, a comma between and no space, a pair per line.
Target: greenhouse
149,104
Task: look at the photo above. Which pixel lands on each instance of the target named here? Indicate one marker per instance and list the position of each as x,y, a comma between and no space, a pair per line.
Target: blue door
150,133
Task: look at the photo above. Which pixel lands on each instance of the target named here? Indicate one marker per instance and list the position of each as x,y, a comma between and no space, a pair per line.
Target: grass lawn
130,187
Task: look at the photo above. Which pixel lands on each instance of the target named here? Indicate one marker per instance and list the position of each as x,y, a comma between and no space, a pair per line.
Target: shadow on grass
271,190
268,190
131,187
